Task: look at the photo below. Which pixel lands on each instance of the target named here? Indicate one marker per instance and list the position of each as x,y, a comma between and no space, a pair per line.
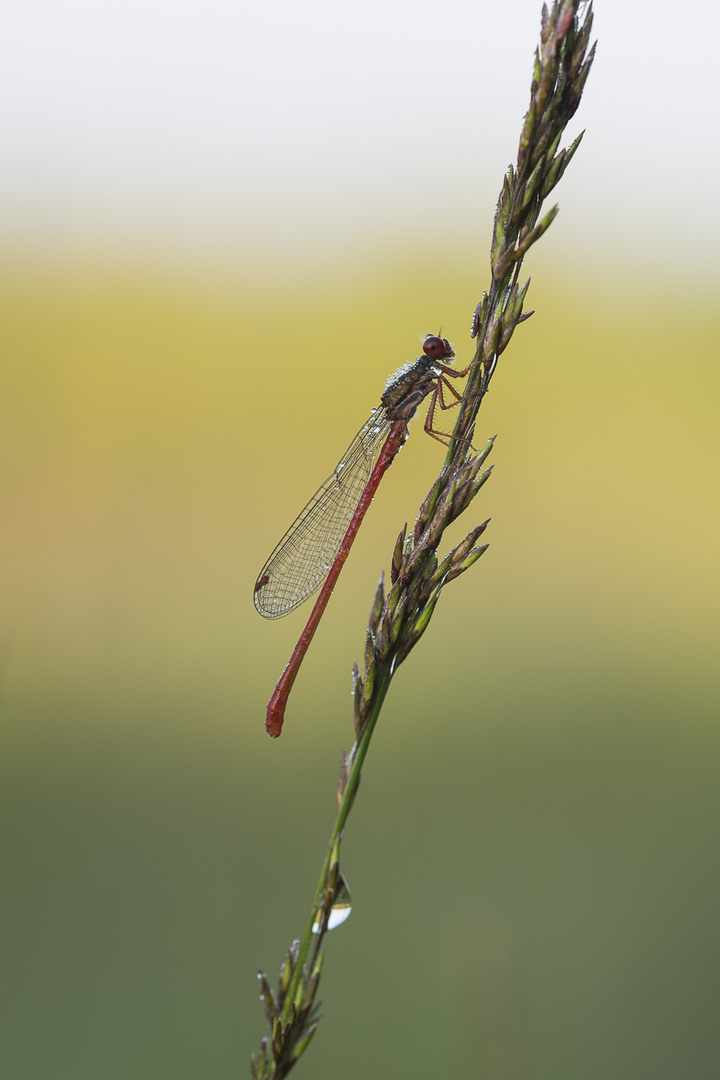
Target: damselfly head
437,348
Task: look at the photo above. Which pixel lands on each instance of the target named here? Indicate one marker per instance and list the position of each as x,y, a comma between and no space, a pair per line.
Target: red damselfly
316,545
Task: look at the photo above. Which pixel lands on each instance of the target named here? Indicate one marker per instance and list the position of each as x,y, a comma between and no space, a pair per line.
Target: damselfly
316,545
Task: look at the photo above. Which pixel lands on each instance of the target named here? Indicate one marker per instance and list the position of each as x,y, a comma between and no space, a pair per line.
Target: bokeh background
222,226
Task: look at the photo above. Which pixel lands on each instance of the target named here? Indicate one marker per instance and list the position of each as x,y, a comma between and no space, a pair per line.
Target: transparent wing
302,560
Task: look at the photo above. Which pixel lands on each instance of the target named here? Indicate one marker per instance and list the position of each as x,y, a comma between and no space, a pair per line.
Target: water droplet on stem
340,910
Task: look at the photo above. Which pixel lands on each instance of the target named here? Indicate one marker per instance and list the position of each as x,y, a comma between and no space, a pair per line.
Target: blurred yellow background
533,854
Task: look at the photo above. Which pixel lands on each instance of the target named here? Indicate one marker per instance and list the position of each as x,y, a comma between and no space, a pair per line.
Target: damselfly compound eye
436,347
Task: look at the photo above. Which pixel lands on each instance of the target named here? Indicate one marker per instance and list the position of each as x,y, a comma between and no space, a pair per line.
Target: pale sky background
228,128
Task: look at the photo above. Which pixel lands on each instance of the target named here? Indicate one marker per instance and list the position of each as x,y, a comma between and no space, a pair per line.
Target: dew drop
340,911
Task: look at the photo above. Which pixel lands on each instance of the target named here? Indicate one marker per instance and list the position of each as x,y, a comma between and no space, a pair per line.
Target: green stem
357,757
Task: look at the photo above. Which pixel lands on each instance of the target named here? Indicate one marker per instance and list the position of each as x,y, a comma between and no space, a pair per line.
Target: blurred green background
533,853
